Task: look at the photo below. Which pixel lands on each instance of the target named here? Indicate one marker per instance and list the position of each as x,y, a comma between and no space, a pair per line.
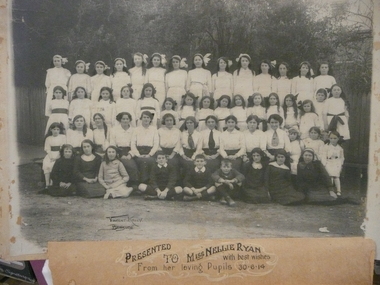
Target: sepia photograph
201,119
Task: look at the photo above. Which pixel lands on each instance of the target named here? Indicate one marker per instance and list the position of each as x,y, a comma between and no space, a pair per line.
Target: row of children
261,182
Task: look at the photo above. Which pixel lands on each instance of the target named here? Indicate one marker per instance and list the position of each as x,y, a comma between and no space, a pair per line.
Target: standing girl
188,107
58,109
175,79
169,108
222,81
273,106
290,111
113,176
199,78
283,85
81,78
222,110
78,133
239,112
256,107
99,79
54,139
332,157
138,71
126,103
148,102
80,105
55,76
106,106
324,77
308,118
264,82
319,104
243,76
206,108
101,134
303,84
156,75
336,112
120,77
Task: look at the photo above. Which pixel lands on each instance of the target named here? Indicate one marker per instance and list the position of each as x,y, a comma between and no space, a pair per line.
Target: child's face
226,168
292,136
105,95
67,153
161,159
257,100
175,63
307,107
189,101
199,163
119,65
320,97
79,123
98,121
169,122
280,159
256,157
324,69
231,124
336,91
125,121
289,102
190,125
252,125
307,157
111,153
211,124
126,93
198,61
87,149
224,103
148,91
99,68
81,93
333,139
238,101
168,105
244,62
304,69
145,120
137,60
282,70
206,103
274,124
272,100
264,67
58,94
57,62
222,65
80,68
55,131
313,135
156,61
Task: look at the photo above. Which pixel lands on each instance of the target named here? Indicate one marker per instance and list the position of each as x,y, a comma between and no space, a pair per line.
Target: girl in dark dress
254,190
278,181
313,179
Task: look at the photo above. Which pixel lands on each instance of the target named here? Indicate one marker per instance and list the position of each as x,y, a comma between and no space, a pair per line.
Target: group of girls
175,113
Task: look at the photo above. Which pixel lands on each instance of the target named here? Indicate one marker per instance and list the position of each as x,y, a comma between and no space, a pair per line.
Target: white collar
203,169
256,165
160,166
275,164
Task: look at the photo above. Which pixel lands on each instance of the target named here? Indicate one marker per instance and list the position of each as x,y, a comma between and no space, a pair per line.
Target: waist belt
55,148
167,150
124,150
143,150
232,151
60,111
208,151
334,121
189,152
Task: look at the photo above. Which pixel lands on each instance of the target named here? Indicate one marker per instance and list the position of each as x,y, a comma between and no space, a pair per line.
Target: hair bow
183,63
311,72
145,58
64,60
106,67
87,66
273,63
206,58
243,54
163,59
229,63
122,60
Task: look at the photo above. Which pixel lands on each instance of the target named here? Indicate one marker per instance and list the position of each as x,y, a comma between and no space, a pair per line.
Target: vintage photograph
202,119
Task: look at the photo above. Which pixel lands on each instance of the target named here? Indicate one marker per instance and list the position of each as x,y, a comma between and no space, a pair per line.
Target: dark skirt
90,190
57,191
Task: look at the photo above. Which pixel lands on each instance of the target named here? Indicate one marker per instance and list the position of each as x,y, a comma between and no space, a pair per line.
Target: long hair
110,91
171,100
211,102
106,158
308,74
104,123
150,63
124,66
192,96
225,59
242,101
170,63
270,70
66,146
61,89
84,130
129,86
146,85
264,159
249,65
213,118
224,97
101,63
277,103
75,96
250,100
90,142
203,62
168,115
143,65
302,110
285,107
342,95
53,126
287,68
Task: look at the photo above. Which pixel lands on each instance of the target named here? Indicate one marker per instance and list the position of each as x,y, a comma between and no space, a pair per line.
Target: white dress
175,115
223,84
148,104
137,80
156,76
81,107
264,84
75,137
283,87
243,83
221,114
240,113
184,112
255,139
201,116
320,109
52,147
323,81
175,82
57,112
119,80
332,157
290,119
303,86
79,80
108,110
127,105
99,81
274,110
307,121
295,154
199,82
336,106
56,76
315,145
